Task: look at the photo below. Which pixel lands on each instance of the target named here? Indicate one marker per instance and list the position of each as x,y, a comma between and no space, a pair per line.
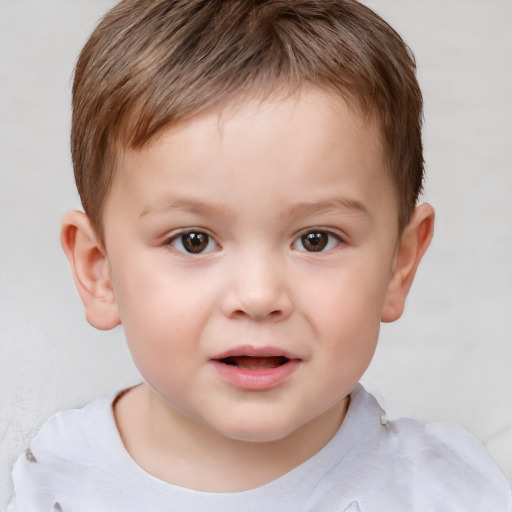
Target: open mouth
255,368
254,363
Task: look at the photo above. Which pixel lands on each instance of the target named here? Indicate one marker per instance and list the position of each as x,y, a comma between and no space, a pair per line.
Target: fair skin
250,255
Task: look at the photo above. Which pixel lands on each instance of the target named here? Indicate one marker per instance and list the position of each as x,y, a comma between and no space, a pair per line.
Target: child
249,173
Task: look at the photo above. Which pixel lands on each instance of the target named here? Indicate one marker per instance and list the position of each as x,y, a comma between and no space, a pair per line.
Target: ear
413,244
91,270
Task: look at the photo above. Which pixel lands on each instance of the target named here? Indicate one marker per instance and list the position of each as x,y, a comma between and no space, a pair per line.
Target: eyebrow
188,205
329,206
298,210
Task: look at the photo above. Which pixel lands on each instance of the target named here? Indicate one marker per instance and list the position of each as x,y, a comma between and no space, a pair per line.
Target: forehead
248,142
256,110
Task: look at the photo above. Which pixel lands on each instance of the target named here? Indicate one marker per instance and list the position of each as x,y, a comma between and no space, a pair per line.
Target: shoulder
67,433
440,446
442,464
60,455
376,465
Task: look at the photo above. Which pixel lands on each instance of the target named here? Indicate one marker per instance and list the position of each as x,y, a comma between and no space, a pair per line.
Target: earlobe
91,272
414,242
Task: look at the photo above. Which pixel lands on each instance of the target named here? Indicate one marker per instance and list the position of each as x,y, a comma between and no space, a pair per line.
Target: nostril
257,315
257,302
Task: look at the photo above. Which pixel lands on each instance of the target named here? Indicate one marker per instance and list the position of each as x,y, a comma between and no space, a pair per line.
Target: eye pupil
195,242
315,242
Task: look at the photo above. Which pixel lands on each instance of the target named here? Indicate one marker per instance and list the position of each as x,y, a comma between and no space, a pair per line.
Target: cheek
162,315
344,308
352,294
151,293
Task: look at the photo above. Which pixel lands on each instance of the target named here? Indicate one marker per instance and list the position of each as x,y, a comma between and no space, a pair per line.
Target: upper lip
254,351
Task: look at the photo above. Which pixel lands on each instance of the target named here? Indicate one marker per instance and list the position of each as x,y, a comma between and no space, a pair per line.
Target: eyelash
319,240
178,239
331,240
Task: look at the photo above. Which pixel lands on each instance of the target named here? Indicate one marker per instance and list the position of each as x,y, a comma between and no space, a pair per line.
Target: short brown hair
152,63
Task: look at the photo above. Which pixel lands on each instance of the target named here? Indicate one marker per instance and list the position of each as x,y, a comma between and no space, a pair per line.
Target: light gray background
449,358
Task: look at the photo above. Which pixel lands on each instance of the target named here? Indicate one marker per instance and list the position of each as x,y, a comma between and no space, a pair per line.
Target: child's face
250,252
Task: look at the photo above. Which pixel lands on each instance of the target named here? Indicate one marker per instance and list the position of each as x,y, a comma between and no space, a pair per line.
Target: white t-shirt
78,463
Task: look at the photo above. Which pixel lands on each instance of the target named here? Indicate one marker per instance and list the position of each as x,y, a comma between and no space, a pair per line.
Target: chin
252,432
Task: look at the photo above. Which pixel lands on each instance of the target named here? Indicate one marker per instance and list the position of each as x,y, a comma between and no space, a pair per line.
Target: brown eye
315,241
193,242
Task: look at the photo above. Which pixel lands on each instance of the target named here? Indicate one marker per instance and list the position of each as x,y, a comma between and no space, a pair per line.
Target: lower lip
260,379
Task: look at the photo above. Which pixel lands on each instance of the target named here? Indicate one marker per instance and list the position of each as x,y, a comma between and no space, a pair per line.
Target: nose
257,289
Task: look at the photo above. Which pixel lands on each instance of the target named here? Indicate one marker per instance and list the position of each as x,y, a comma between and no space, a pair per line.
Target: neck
176,449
